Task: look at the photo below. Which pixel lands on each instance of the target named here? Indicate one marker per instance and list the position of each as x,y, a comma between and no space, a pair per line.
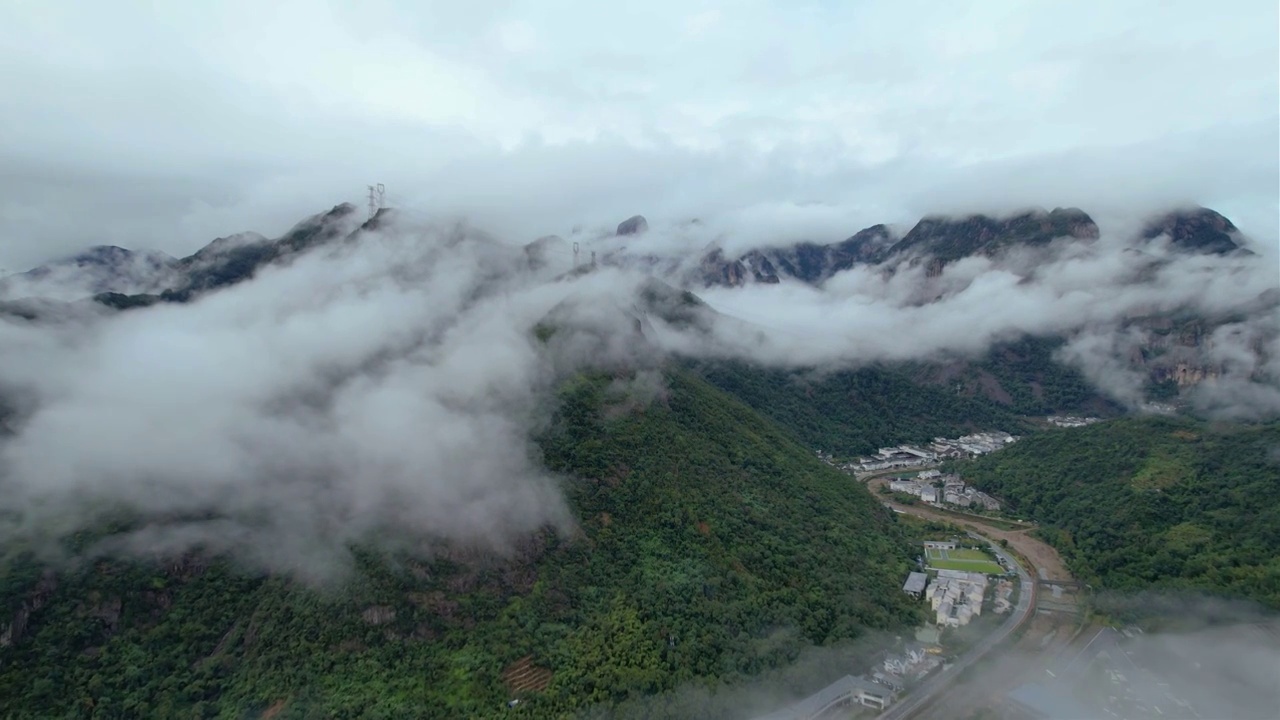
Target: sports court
965,559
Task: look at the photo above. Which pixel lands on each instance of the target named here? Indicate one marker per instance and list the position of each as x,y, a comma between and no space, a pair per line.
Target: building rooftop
915,582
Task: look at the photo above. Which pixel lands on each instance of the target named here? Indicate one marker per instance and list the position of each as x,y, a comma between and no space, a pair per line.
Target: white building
910,487
956,597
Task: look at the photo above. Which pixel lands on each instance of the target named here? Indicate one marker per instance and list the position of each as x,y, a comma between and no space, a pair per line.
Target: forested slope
1143,503
712,546
858,411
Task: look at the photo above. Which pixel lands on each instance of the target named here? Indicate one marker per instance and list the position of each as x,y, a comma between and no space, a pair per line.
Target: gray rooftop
915,582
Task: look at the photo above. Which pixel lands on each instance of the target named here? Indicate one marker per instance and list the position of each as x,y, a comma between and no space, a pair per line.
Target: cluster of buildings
956,596
1067,421
934,487
902,456
907,456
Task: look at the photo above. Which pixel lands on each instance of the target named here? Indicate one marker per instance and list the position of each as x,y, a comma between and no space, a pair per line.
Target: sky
166,125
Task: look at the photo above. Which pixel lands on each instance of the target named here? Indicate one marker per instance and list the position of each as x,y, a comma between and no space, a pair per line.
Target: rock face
716,269
633,225
37,598
1199,230
379,614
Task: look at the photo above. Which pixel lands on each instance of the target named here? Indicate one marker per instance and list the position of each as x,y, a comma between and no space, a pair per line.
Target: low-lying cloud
383,389
1089,293
390,387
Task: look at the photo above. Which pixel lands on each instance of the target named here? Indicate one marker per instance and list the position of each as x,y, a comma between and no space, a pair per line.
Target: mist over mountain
291,380
467,360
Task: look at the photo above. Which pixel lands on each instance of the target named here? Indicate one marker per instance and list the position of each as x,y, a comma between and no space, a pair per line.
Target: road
927,692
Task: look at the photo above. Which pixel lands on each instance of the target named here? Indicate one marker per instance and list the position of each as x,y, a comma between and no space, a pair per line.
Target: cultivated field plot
962,559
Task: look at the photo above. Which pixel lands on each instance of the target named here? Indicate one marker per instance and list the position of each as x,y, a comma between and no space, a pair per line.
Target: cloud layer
388,386
783,120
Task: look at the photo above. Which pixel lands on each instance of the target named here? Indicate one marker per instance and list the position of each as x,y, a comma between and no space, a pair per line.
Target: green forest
855,412
713,548
1152,503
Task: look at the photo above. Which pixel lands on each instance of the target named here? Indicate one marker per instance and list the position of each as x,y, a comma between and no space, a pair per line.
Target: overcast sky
165,125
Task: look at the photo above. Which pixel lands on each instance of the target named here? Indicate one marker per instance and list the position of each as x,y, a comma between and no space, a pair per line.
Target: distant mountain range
148,276
937,241
1170,351
122,279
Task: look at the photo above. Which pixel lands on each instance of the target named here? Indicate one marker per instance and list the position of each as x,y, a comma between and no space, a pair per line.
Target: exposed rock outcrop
15,630
633,225
1197,230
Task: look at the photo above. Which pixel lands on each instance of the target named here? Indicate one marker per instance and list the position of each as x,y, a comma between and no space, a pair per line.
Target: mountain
936,241
123,279
807,262
854,412
939,241
1152,503
226,261
634,225
1198,230
711,545
100,269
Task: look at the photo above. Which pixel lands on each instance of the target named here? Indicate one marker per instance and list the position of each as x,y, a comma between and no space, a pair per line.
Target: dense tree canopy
712,547
1143,503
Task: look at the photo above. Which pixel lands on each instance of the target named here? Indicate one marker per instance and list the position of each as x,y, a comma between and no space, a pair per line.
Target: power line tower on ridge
377,194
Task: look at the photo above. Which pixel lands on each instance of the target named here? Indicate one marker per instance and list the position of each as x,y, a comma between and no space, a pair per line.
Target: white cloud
165,126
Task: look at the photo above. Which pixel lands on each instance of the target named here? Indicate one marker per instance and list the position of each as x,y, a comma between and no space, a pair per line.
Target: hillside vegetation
1160,503
713,546
856,412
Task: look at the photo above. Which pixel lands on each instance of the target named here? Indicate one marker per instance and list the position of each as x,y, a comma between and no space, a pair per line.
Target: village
933,487
958,578
956,597
910,456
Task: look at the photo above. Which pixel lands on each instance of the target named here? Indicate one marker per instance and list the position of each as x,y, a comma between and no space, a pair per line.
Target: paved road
927,692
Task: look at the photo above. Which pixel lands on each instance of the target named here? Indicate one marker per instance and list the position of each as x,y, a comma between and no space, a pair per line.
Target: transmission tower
377,193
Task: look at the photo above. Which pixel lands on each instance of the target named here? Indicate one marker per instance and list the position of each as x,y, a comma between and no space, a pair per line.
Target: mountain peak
634,225
1197,229
947,239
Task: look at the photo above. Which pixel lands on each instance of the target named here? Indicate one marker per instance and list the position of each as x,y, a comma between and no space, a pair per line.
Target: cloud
390,387
396,384
383,390
1091,293
538,117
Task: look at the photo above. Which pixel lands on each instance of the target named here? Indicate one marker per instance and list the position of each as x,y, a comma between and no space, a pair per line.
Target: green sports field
962,559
